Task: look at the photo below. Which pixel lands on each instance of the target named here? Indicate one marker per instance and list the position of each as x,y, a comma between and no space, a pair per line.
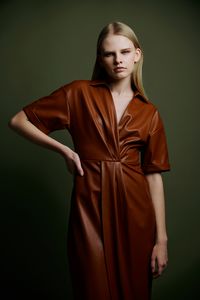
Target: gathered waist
115,163
127,158
122,160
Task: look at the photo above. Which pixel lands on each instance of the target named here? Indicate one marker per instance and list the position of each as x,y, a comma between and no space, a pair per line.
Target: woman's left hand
159,259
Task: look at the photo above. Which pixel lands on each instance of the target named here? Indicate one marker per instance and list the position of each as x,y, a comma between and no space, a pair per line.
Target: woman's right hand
73,162
23,126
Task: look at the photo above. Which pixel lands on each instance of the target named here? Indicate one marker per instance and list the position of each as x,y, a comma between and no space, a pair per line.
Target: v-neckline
118,124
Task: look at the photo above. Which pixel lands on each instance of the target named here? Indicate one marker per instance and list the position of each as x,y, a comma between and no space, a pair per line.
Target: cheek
130,61
106,64
132,57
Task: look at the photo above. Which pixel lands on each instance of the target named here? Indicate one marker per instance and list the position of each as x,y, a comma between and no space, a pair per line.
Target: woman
117,240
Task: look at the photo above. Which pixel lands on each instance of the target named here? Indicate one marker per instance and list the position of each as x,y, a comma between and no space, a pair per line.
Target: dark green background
45,44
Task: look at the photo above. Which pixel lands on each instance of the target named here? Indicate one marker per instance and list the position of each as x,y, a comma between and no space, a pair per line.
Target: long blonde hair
119,28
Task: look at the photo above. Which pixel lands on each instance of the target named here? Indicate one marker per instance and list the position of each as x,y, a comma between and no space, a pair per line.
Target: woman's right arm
24,127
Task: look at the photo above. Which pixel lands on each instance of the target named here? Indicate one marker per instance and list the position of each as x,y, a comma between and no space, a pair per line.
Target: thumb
153,263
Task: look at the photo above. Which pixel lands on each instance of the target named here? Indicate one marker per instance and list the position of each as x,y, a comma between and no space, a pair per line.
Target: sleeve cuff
147,169
34,120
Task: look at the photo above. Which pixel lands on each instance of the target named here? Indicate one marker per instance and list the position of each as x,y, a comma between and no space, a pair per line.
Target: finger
161,268
155,275
80,170
153,263
79,167
155,272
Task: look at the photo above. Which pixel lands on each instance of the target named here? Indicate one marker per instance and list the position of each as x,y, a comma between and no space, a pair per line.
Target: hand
73,162
159,259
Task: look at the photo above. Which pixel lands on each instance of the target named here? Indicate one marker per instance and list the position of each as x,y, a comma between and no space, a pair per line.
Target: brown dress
111,230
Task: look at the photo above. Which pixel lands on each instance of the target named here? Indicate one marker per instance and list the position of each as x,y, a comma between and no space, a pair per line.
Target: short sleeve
49,113
155,153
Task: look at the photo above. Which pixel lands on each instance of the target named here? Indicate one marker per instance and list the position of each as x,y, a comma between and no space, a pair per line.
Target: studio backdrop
46,44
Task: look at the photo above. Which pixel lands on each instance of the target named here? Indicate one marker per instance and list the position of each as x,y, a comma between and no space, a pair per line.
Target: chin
121,76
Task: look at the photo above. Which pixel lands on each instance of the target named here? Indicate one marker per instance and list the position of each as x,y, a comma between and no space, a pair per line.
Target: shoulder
155,110
154,113
155,117
78,91
146,104
149,112
151,106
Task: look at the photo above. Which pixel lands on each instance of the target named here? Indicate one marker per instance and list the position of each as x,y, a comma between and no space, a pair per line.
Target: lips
119,69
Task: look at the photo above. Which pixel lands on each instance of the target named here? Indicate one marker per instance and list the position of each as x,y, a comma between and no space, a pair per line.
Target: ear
138,54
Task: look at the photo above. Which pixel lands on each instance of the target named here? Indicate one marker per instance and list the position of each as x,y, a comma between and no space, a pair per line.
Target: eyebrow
104,51
126,49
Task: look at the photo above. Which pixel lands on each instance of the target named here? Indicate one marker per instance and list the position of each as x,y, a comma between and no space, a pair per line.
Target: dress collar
103,82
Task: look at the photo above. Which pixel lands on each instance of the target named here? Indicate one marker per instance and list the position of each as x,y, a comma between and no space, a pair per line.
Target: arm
159,254
24,127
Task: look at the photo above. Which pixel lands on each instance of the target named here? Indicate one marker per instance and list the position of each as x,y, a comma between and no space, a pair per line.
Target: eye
107,54
125,51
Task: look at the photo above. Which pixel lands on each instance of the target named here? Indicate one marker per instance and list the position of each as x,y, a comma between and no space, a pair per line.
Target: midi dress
112,228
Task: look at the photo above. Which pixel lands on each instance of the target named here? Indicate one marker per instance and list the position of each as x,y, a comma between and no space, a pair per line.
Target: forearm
157,194
21,125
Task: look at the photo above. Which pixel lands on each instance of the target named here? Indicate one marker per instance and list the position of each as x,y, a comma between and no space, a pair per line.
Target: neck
122,86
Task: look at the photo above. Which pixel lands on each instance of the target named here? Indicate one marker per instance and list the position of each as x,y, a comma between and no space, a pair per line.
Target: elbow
11,123
153,175
154,178
15,122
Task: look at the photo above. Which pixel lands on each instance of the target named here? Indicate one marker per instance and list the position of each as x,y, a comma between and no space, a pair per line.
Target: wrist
65,151
162,240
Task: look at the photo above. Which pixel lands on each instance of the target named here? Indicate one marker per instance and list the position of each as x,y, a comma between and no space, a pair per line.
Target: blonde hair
119,28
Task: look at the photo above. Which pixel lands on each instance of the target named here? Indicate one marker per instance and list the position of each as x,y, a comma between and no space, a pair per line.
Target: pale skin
118,57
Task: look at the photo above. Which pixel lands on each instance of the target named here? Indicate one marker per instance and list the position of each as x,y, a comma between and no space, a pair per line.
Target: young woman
117,240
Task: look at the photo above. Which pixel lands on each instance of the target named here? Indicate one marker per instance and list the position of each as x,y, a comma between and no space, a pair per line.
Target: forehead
113,41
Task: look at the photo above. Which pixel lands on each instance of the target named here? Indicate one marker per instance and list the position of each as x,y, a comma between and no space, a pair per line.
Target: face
118,56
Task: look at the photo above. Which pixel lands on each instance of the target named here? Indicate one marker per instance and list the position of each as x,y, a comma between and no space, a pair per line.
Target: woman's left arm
159,256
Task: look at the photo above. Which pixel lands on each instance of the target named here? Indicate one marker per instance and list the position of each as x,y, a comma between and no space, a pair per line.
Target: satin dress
112,227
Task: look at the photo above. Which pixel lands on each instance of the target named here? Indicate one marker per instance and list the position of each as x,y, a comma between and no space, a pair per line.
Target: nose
117,59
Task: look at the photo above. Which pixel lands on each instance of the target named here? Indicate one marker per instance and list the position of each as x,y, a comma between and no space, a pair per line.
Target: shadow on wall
34,260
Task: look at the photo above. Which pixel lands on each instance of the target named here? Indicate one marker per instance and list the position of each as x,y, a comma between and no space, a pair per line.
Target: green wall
45,44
